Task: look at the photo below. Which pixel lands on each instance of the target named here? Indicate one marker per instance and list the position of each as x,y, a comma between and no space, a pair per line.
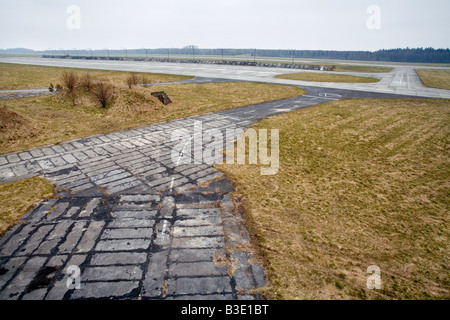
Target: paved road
23,93
135,223
403,80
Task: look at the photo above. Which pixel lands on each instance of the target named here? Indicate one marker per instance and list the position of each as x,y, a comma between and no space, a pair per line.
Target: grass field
326,77
20,196
361,182
17,76
435,78
363,69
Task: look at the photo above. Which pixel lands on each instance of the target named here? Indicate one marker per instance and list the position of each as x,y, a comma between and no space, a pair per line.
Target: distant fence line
199,61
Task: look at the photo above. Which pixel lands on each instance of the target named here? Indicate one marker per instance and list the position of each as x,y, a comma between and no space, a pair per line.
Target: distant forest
392,55
429,55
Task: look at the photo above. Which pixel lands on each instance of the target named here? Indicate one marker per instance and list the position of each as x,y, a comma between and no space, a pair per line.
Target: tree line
429,55
392,55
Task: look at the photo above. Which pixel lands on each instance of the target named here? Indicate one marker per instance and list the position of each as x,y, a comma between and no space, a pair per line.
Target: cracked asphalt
133,223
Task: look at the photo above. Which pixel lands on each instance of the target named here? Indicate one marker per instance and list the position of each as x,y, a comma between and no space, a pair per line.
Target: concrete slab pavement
132,223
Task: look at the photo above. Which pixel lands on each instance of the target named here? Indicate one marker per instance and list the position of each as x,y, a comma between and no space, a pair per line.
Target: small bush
132,79
69,80
87,83
145,81
103,92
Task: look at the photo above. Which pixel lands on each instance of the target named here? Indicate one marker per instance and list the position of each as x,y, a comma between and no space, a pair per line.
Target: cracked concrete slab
158,236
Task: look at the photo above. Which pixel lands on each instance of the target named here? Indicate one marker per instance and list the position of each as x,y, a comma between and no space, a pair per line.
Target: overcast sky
271,24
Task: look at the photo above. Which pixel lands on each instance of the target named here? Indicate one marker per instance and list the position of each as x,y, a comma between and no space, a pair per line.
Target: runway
402,80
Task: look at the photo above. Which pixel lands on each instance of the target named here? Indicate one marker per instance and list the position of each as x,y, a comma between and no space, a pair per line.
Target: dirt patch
15,127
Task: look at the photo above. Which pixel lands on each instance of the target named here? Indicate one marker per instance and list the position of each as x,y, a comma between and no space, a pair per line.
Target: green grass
361,182
326,77
20,196
435,78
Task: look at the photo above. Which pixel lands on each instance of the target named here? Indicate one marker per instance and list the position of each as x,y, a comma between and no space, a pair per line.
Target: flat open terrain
16,76
363,69
389,83
32,122
361,182
435,78
326,77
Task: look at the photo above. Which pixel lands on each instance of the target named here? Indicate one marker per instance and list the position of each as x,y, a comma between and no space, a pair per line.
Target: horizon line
217,48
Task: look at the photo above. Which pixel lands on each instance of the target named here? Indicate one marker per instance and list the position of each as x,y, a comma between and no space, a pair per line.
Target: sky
263,24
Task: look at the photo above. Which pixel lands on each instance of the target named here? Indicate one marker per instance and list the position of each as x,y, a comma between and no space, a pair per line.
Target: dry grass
363,69
16,76
326,77
54,119
20,196
15,127
361,182
435,78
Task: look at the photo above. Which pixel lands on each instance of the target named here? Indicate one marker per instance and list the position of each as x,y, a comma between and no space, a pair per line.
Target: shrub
103,93
69,80
145,81
87,83
132,80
